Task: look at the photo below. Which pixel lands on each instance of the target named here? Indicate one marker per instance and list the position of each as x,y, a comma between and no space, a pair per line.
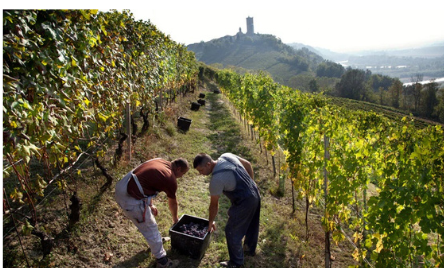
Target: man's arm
214,208
172,203
248,167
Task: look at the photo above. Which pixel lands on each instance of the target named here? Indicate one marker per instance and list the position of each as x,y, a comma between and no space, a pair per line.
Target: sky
338,25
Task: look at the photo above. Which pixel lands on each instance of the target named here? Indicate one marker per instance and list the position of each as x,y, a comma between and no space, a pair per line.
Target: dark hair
182,163
201,159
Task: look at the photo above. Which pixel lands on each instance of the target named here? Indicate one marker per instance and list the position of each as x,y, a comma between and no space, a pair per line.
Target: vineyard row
68,76
336,156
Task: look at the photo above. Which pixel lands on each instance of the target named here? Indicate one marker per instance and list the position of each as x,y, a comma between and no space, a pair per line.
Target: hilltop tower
250,26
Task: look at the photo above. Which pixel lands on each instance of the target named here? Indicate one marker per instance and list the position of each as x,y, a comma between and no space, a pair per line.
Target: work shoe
168,264
229,264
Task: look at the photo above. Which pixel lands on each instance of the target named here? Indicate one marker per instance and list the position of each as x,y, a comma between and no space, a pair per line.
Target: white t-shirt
225,180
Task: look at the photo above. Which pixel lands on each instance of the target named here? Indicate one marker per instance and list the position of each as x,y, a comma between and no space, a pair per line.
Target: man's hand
212,227
154,210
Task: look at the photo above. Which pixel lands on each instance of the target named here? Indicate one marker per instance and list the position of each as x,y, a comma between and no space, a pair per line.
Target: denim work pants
243,221
134,210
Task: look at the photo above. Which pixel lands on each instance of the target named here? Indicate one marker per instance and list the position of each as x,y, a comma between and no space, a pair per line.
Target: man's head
180,166
204,164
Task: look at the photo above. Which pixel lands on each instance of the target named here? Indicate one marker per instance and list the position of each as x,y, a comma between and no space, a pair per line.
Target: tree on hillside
417,89
330,69
394,92
327,84
417,95
313,86
352,84
407,99
311,57
296,62
439,109
368,93
382,96
377,81
429,99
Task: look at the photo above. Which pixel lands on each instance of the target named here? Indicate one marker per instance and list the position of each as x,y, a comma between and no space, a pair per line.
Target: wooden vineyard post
128,129
292,195
160,99
252,132
274,166
327,233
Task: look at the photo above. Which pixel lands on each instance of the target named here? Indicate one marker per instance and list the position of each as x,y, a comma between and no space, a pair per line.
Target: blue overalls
243,215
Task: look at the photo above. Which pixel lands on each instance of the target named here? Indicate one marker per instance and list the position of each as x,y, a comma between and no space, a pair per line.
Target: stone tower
250,26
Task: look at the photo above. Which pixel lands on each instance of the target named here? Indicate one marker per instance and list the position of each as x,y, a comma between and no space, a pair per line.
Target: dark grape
194,229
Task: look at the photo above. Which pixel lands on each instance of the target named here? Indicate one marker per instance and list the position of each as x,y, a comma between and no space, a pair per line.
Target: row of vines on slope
67,78
401,224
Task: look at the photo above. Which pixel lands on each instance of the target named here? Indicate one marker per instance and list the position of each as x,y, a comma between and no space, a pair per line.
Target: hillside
394,114
258,52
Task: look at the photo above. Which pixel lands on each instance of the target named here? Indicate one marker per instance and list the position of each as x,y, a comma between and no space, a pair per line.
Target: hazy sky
338,25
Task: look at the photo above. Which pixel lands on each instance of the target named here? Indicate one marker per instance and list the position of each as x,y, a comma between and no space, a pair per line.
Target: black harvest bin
195,106
186,244
183,123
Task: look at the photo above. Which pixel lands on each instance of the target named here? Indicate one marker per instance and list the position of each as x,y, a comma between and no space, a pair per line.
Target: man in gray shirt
233,176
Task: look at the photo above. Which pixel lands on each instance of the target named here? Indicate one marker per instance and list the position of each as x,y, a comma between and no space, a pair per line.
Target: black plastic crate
201,95
201,102
186,244
183,123
195,106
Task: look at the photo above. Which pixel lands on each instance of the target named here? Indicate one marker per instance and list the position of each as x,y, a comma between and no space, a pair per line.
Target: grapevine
67,78
398,225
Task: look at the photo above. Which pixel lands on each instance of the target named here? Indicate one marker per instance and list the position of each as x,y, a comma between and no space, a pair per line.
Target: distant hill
295,64
426,52
432,51
401,63
325,53
258,52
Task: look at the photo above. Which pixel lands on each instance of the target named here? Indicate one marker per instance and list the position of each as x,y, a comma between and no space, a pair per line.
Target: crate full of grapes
190,236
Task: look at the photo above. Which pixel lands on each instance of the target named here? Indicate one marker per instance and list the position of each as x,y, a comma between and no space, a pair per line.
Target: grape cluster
194,229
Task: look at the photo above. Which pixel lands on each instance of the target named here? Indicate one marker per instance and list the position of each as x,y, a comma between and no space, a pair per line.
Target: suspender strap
138,184
146,199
